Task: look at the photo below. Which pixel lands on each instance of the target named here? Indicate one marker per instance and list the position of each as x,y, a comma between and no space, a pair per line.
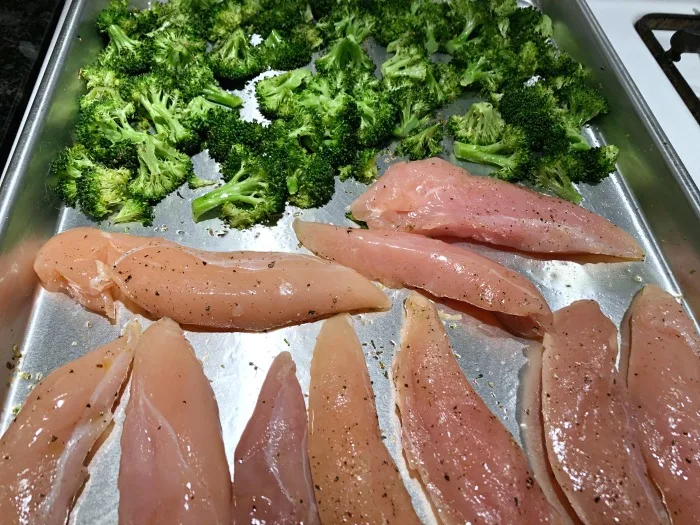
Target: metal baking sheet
56,329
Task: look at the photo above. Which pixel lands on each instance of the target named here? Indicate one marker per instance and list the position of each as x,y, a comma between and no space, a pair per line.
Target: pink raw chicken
434,197
591,438
226,291
664,387
43,452
173,465
271,471
472,468
402,259
355,478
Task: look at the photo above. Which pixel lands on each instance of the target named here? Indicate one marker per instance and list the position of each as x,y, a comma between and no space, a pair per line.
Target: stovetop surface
617,18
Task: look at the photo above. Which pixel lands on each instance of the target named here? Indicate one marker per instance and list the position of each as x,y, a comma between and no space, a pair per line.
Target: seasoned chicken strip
434,197
405,260
664,387
173,465
42,454
590,435
473,470
355,478
272,477
219,290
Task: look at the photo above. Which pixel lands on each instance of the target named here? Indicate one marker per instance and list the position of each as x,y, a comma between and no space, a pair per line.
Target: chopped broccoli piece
117,13
595,164
253,193
134,210
282,15
312,184
482,125
102,190
442,84
423,144
346,54
529,25
552,174
125,54
161,170
230,15
194,182
365,166
196,80
347,23
67,169
413,115
225,129
407,65
377,113
280,52
509,154
276,94
472,16
234,57
582,104
174,48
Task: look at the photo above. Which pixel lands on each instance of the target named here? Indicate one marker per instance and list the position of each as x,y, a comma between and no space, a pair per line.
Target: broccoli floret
118,13
490,70
234,57
165,112
134,210
125,54
346,54
227,17
413,115
423,144
482,125
103,84
559,69
347,23
312,183
365,166
377,113
472,16
282,15
196,80
102,190
161,170
509,154
552,174
279,52
225,129
308,34
394,21
339,142
534,109
252,194
174,48
594,164
582,104
276,94
528,25
195,17
442,85
67,169
194,182
407,65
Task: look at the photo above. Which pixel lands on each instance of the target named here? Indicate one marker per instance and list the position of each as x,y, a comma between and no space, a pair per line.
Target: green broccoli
231,15
134,210
408,65
582,104
423,144
174,48
117,13
510,154
125,54
595,164
377,113
225,128
552,174
282,15
345,54
161,170
280,52
234,57
102,190
414,114
276,94
442,85
472,17
197,79
481,126
529,25
67,169
253,193
347,23
364,168
312,183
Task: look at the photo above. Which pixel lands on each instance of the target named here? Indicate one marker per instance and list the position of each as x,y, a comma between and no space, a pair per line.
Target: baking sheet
59,330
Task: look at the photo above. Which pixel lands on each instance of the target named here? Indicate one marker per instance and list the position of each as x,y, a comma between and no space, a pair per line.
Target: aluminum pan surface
236,363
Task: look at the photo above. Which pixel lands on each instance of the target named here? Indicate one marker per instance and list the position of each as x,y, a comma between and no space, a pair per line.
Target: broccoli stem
121,39
215,94
483,154
235,190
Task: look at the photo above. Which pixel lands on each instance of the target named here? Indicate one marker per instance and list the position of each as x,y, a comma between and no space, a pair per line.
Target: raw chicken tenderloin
220,290
173,465
272,476
434,197
473,470
241,290
43,452
405,260
590,435
355,478
664,387
78,262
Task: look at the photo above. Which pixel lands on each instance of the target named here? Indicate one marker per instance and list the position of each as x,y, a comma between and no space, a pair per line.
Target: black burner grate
685,40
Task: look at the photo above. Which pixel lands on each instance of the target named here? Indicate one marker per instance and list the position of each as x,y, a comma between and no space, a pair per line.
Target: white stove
618,18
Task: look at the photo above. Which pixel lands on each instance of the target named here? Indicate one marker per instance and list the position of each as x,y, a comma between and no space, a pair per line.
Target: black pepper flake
54,439
596,499
271,265
88,405
447,477
100,365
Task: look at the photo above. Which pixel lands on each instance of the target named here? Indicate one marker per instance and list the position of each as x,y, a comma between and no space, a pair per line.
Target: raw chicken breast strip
271,470
664,387
219,290
355,478
434,197
473,470
173,465
405,260
42,454
590,435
